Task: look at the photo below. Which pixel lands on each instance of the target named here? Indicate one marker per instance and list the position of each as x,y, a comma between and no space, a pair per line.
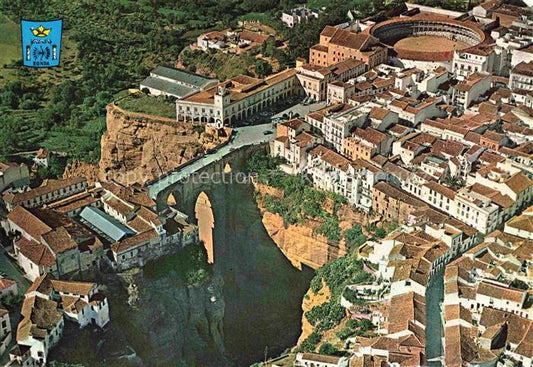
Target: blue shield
41,43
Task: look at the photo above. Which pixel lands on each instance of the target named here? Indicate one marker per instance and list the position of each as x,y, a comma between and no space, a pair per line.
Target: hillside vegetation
109,46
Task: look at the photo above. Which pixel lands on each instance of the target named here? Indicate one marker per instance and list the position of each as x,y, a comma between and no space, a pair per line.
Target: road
434,320
11,271
243,136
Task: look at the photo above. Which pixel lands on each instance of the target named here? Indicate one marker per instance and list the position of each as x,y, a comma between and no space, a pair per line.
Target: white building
414,111
212,40
48,302
319,360
474,59
523,54
522,225
497,295
337,125
237,98
522,76
5,331
13,175
470,90
50,190
298,15
331,171
316,80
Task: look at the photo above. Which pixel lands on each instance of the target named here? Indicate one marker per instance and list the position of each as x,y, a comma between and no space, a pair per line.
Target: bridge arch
206,223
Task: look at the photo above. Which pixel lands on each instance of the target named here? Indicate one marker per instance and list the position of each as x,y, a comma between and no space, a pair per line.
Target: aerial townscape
266,183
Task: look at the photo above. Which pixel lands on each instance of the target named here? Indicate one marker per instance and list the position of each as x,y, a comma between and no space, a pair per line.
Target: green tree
328,349
262,68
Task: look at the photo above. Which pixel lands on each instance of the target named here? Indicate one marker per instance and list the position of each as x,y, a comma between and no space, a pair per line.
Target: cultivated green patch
150,105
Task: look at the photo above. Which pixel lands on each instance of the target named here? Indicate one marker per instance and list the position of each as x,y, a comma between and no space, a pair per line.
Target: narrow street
11,271
434,320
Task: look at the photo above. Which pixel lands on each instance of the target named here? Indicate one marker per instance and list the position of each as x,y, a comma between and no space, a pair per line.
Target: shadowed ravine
262,290
252,305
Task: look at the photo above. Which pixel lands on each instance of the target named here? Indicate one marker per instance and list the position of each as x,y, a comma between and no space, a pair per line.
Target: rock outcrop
299,242
82,169
310,301
137,148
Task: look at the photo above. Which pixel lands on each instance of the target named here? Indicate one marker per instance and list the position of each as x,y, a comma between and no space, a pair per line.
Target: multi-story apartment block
293,142
468,91
337,44
366,143
336,123
331,171
315,79
522,76
474,59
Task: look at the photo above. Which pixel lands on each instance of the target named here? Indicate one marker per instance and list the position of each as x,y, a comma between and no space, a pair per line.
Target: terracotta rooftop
40,316
241,87
331,157
472,80
134,241
47,187
501,292
371,135
6,283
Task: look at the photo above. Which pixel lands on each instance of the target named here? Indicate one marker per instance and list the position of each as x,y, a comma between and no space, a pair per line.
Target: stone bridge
211,162
197,194
183,193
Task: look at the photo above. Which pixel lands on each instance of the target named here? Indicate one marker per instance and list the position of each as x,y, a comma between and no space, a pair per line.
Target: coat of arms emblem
41,43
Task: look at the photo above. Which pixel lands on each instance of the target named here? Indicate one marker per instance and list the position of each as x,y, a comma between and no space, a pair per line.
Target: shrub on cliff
189,263
326,315
330,227
309,344
354,237
343,271
260,163
337,275
328,349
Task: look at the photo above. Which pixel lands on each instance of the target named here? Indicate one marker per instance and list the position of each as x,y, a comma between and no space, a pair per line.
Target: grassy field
142,103
9,41
10,50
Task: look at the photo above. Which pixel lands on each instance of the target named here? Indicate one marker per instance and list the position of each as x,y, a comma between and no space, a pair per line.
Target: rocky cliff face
82,169
137,148
154,322
196,312
311,300
299,243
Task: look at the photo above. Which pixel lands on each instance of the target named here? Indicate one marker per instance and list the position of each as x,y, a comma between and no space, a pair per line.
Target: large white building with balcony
237,98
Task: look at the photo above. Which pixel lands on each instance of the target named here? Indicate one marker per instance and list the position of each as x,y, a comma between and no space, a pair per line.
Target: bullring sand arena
431,43
427,37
